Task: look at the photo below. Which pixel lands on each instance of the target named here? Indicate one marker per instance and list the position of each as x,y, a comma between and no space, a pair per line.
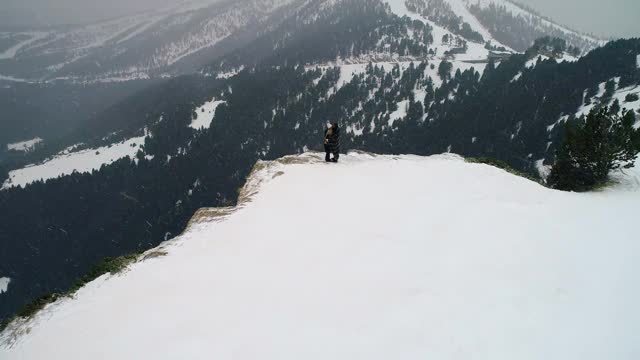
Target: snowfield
204,114
65,163
24,146
620,95
377,257
4,285
400,113
535,60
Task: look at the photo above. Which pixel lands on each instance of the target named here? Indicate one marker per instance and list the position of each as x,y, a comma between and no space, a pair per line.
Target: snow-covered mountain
157,43
518,26
503,23
184,37
376,257
152,152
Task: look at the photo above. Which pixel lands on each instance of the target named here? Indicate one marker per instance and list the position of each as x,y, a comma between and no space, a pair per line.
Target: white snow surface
399,8
534,61
586,109
543,170
205,114
348,71
66,162
354,129
458,261
24,146
4,284
516,77
620,94
400,113
12,79
459,7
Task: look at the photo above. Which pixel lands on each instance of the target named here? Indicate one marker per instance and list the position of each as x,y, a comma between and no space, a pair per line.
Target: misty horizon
613,19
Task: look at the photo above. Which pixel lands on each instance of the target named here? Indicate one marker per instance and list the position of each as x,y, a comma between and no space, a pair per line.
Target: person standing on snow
332,142
328,133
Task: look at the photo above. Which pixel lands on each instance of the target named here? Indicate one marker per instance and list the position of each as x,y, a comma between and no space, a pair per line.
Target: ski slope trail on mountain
399,8
376,257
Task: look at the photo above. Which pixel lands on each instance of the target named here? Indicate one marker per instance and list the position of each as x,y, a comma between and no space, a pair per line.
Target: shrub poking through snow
500,165
107,266
593,147
631,98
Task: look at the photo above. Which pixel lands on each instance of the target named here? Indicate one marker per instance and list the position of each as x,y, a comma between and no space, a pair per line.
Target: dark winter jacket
334,139
327,134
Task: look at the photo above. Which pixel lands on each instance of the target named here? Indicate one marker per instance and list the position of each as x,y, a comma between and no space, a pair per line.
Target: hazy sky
617,18
602,17
58,12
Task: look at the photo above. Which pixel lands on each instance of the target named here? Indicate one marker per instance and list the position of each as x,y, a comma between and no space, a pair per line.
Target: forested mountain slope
180,38
225,36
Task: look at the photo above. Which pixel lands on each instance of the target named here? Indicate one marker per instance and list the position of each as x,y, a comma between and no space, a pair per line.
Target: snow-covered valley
375,257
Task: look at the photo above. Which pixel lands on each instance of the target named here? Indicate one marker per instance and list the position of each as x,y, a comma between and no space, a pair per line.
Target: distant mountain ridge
154,44
183,38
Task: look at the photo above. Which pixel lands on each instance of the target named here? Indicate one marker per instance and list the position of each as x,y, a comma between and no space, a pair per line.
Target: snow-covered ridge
24,146
319,254
463,9
67,162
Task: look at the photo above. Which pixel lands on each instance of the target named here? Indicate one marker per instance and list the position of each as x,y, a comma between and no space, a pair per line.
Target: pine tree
593,147
631,98
444,70
415,111
610,88
4,174
430,92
